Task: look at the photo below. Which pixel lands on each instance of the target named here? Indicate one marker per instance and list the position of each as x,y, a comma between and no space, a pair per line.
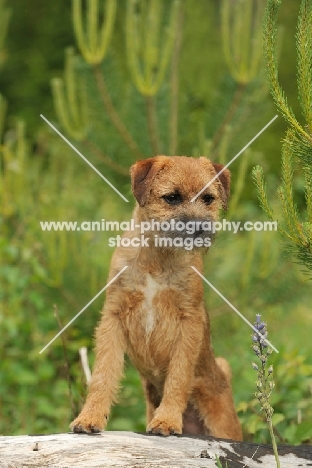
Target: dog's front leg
179,380
110,348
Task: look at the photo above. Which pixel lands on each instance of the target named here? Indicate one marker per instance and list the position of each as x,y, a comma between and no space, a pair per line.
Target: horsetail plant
265,382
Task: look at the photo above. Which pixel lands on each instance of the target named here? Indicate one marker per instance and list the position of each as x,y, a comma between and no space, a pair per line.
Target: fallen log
132,450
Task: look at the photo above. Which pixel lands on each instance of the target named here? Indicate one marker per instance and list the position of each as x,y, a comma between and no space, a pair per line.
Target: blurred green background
207,103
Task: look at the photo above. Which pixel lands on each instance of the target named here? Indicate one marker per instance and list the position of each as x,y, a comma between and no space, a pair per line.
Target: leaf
255,424
304,431
277,418
242,406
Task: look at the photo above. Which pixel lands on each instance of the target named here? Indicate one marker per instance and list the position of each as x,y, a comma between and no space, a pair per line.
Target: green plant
297,145
5,14
70,104
201,109
265,382
241,34
219,464
291,402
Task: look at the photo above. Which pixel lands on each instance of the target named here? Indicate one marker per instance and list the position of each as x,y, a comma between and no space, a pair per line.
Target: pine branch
234,105
152,124
174,85
70,100
91,146
93,39
113,114
258,177
304,49
240,24
147,65
302,150
308,194
285,192
298,142
303,254
240,181
270,39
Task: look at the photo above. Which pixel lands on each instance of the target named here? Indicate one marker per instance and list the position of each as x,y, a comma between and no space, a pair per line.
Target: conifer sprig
304,50
297,145
270,51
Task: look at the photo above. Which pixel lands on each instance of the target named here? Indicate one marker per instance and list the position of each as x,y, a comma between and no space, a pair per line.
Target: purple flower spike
259,338
261,327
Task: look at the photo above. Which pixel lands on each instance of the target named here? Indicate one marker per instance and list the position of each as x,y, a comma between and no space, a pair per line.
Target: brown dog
155,313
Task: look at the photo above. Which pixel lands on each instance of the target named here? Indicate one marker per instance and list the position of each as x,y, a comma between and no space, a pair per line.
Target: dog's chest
149,309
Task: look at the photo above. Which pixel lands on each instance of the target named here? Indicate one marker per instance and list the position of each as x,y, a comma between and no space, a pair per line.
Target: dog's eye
208,199
173,198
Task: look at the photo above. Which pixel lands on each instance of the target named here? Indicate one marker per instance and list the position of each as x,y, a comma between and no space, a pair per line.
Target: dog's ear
142,175
225,179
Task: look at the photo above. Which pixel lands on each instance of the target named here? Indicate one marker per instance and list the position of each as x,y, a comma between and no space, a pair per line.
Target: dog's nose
198,232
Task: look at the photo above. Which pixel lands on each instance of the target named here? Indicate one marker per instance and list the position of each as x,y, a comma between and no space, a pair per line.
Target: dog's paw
164,427
87,425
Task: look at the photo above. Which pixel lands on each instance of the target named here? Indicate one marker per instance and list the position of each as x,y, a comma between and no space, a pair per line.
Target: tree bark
132,450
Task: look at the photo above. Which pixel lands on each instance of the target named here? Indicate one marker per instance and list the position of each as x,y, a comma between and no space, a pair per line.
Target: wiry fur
155,313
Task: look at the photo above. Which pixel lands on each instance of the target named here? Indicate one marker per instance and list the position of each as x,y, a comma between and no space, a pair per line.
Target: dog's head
168,187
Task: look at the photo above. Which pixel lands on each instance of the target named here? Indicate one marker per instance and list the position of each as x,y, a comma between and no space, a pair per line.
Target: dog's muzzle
189,228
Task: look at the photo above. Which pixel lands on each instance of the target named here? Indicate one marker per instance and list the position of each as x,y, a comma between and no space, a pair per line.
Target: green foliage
3,110
304,49
35,268
93,43
297,145
200,106
265,383
145,40
241,33
270,50
290,400
71,103
5,14
152,90
219,464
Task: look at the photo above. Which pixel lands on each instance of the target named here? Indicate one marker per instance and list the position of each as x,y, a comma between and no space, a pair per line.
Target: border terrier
155,312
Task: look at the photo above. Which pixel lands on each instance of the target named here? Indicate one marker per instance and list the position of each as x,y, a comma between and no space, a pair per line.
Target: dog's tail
225,367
